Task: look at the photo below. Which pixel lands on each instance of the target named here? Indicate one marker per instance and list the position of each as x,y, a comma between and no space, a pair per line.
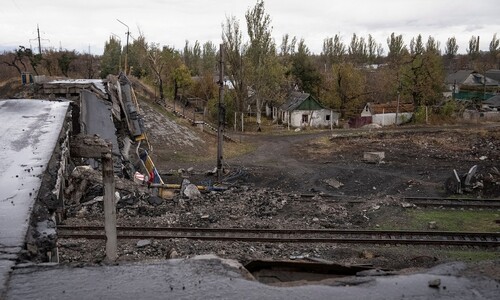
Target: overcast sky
81,25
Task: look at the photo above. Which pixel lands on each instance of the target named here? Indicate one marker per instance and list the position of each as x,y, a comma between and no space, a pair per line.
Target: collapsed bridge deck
30,137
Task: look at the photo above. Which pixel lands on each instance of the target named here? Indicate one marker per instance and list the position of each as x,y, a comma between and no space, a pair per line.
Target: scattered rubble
264,191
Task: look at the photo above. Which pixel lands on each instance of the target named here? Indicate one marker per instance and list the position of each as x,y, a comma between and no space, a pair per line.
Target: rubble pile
237,207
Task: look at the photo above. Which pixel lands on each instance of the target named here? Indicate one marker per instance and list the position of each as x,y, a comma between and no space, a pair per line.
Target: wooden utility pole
221,114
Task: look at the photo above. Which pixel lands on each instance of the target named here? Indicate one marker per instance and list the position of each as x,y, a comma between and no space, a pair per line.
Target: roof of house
389,107
470,77
459,76
296,100
493,74
493,101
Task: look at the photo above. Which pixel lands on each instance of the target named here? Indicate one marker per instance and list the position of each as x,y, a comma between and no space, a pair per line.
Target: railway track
418,201
456,203
485,239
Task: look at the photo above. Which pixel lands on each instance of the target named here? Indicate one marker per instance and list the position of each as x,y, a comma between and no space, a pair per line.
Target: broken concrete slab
143,243
191,191
373,157
334,183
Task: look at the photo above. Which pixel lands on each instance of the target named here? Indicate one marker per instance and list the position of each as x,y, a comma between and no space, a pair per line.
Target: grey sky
80,24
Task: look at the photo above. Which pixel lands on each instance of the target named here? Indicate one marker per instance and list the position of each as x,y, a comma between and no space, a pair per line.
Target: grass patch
236,149
471,256
447,220
230,150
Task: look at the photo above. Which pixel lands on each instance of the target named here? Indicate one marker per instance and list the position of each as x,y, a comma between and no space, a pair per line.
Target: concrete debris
367,254
46,229
172,254
432,225
212,172
478,185
373,157
483,157
435,283
184,184
334,183
407,205
479,181
190,190
155,200
143,243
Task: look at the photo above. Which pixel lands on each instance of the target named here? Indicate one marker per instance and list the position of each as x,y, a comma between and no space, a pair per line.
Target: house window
327,117
305,118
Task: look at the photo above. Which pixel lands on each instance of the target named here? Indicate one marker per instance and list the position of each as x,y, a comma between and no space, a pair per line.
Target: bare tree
231,36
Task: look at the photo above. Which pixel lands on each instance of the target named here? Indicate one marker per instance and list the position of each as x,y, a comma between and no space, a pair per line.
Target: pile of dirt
14,89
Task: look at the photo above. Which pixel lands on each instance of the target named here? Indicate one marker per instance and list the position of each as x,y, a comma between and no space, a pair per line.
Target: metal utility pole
39,40
221,113
126,53
39,43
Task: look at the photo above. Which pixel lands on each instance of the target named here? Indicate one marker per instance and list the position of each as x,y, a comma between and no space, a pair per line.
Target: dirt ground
267,173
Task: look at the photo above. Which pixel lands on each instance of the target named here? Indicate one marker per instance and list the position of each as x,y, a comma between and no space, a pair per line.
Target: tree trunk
258,108
160,88
176,90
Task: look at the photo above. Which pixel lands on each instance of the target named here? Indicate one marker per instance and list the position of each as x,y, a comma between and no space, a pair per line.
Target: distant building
470,85
303,110
492,103
384,114
493,74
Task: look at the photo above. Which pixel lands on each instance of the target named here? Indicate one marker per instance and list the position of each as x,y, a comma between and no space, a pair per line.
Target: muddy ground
269,173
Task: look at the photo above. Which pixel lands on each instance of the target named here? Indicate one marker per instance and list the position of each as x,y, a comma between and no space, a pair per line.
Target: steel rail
418,201
454,202
290,235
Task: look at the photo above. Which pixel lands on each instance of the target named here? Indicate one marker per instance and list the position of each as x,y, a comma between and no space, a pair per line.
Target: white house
303,110
384,114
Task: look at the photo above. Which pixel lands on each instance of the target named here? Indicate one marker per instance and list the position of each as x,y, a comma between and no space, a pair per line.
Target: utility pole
126,53
109,200
397,107
90,74
39,40
39,43
221,114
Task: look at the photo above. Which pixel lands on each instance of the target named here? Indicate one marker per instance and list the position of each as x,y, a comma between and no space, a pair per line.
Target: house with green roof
303,110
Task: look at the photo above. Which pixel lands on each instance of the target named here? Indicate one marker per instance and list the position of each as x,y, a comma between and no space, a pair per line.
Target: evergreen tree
111,58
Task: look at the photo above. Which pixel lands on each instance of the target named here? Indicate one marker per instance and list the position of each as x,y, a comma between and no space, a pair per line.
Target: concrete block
373,157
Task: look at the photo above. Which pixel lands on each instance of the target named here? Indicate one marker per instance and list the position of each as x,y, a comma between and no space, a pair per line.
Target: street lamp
126,53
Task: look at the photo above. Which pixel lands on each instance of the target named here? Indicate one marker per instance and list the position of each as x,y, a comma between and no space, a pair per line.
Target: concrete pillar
109,206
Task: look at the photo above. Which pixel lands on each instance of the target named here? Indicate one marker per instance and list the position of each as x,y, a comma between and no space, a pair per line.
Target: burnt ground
268,172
